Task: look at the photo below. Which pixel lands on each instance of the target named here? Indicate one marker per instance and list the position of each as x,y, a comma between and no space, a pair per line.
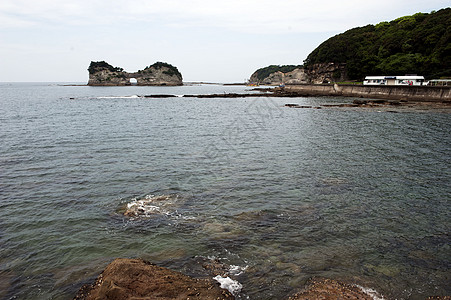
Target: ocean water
271,196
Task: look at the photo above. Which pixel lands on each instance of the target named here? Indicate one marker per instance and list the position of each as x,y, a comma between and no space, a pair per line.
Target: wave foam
371,292
229,284
237,270
150,205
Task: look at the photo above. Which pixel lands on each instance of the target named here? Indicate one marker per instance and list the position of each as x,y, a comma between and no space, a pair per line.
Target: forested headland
417,44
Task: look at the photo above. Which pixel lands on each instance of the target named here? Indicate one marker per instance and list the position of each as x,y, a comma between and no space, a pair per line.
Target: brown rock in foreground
138,279
328,289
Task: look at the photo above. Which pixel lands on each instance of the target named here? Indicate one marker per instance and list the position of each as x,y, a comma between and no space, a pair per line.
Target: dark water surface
280,194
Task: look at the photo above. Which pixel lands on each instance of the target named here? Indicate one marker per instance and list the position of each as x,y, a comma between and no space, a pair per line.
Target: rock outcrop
326,73
296,76
316,74
103,74
139,279
328,289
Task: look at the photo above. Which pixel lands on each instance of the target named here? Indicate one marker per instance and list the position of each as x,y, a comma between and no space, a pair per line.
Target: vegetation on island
96,66
418,44
262,73
171,70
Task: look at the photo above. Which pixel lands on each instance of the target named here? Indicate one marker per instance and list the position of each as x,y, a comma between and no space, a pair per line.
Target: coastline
127,278
369,101
436,94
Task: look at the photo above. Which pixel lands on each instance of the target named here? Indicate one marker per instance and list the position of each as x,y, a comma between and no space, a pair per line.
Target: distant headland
159,74
416,44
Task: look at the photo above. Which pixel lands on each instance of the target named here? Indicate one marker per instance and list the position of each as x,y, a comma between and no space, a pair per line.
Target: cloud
55,40
265,16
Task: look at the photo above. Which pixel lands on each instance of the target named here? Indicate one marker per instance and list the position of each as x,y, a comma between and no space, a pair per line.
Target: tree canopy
96,66
417,44
171,70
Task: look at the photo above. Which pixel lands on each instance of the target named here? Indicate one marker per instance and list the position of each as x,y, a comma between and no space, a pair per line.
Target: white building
440,82
394,80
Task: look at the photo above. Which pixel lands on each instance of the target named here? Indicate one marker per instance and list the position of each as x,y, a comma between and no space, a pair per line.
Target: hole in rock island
133,81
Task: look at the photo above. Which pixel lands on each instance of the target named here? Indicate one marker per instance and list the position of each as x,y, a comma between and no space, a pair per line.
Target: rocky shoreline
206,278
385,104
393,106
139,279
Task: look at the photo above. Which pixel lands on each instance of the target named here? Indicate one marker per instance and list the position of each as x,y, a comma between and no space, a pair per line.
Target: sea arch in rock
103,74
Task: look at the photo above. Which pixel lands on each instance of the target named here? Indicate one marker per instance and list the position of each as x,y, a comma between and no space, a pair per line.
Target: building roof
409,77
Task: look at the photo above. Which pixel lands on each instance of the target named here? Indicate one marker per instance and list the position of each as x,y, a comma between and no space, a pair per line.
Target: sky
213,41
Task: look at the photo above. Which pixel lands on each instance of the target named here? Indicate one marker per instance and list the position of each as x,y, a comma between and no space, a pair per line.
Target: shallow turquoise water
285,194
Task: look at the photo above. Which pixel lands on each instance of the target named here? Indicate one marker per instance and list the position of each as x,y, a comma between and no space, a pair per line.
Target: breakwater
409,93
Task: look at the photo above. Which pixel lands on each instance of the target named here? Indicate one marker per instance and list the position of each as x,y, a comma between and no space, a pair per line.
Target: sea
262,194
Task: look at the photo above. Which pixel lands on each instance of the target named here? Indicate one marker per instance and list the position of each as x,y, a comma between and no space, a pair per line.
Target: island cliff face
316,74
295,76
159,74
326,73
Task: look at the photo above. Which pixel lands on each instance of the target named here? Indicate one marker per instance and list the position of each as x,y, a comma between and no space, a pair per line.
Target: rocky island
159,74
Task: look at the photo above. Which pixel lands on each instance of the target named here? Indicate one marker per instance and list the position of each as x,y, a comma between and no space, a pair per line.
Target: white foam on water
371,292
149,205
237,270
229,284
143,206
118,97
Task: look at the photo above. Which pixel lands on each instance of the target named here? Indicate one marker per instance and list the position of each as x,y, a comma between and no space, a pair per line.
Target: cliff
103,74
275,75
326,73
317,74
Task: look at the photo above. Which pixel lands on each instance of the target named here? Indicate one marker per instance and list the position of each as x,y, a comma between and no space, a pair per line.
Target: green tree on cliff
417,44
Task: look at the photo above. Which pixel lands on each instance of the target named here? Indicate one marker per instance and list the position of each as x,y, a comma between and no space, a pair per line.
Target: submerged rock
139,279
328,289
150,205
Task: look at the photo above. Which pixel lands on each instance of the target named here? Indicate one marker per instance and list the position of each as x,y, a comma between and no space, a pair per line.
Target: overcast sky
215,41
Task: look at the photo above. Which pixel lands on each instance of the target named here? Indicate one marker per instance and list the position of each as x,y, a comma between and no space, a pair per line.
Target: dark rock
378,101
297,106
360,102
349,105
159,96
139,279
